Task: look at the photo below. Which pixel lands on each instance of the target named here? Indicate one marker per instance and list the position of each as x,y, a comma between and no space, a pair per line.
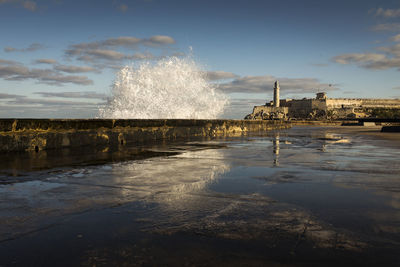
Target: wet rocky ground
303,196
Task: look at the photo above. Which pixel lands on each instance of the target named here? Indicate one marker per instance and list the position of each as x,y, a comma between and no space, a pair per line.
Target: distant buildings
323,107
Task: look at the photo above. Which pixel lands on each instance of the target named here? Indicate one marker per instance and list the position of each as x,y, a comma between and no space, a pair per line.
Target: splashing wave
172,88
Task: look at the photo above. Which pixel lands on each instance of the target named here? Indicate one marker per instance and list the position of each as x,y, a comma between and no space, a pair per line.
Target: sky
59,58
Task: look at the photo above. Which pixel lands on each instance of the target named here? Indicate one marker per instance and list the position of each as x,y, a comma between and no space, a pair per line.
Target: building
322,107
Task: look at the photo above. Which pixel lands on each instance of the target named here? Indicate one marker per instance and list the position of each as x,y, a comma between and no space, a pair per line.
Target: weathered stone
41,134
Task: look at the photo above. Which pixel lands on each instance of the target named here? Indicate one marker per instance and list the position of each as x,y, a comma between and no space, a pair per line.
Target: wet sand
298,197
374,131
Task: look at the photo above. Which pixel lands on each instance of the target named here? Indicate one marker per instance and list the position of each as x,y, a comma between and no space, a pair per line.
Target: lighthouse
276,94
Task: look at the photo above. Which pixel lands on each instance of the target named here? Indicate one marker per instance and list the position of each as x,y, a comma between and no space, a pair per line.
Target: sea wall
319,122
43,134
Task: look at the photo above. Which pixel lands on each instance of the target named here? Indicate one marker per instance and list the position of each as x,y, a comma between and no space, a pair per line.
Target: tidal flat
296,197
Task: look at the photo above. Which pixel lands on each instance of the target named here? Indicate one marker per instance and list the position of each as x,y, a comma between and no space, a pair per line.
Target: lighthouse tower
276,94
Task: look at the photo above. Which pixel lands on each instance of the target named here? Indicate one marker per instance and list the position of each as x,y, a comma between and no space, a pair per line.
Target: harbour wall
43,134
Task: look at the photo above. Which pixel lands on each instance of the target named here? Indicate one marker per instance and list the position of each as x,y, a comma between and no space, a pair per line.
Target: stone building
321,107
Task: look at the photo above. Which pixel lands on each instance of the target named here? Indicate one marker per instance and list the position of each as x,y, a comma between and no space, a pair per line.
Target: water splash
172,88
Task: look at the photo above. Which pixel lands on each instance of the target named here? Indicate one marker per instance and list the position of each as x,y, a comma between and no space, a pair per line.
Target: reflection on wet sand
60,192
302,194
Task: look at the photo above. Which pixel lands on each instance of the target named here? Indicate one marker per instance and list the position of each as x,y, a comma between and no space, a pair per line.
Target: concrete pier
43,134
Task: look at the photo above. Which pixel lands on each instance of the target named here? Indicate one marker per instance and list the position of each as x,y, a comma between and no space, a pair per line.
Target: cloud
123,8
47,102
393,50
357,58
41,110
14,71
262,84
45,61
387,13
18,106
25,107
142,56
238,108
158,40
125,41
373,60
396,88
395,38
31,48
392,27
8,96
61,79
90,95
106,54
74,69
27,4
96,55
8,62
220,75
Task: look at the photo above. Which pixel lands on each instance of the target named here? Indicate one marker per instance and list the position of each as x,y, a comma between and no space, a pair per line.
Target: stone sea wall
42,134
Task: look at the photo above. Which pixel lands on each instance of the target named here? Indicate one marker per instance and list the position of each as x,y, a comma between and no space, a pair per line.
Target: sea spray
171,88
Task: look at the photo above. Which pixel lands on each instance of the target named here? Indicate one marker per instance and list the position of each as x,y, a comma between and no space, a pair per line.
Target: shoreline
370,131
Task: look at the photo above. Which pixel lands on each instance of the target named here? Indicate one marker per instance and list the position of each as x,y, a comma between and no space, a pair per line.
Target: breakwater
43,134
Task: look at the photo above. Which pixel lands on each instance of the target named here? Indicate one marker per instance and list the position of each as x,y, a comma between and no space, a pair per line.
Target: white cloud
106,54
395,38
123,8
358,57
31,48
158,40
61,79
90,95
27,4
14,71
262,84
239,108
16,106
45,61
74,69
373,60
8,62
387,13
9,96
219,75
48,102
126,41
392,50
392,27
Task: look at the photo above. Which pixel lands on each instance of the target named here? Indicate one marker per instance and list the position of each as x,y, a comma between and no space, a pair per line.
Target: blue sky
58,58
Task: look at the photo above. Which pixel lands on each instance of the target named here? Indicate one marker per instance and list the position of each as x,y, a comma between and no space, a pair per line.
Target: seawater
171,88
329,196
